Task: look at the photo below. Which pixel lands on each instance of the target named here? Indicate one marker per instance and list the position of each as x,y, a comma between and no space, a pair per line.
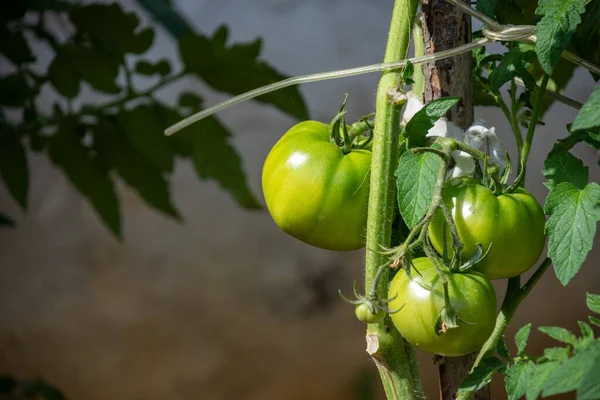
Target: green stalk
394,358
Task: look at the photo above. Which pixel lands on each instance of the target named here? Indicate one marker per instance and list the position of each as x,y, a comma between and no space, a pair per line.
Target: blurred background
222,304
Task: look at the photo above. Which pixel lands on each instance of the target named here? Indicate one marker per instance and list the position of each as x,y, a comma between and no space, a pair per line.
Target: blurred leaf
119,36
164,12
182,143
502,349
7,384
559,334
161,67
13,167
74,62
5,220
537,377
563,71
516,380
482,375
86,174
14,46
190,100
14,90
237,69
145,132
569,375
589,388
11,10
586,38
487,7
593,302
557,353
481,94
588,116
46,391
140,174
514,63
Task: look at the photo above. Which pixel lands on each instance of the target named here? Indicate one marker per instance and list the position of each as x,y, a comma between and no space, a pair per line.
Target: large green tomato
512,223
314,191
422,298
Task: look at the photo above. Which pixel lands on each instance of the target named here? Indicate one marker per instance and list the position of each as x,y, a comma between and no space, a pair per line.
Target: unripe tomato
471,295
364,314
512,223
314,191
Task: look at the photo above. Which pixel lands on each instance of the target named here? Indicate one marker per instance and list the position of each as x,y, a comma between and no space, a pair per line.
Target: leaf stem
393,356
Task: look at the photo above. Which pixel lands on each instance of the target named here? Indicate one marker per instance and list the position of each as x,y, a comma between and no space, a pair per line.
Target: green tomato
422,298
363,313
513,224
314,191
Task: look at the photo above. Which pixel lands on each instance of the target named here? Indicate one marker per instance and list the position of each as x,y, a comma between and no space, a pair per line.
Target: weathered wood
445,27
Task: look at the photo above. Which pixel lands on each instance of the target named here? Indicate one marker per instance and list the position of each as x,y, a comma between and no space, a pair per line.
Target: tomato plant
510,225
316,192
365,313
421,297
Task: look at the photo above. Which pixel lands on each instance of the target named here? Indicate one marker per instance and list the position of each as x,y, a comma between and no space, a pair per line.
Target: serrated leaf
589,389
554,30
118,37
594,320
487,7
161,67
14,90
135,169
562,166
514,63
593,302
586,330
145,132
237,69
416,177
557,353
482,375
537,376
560,334
589,117
416,129
14,46
13,167
569,375
571,226
5,220
521,338
502,349
516,380
87,175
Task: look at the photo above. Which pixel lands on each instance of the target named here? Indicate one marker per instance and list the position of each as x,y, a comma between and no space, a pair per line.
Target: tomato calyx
369,309
353,137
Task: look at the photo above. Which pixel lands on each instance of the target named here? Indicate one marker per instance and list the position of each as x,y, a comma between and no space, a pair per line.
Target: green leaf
118,37
588,116
14,90
237,69
161,67
482,375
482,95
13,167
569,375
190,100
145,132
586,38
135,169
514,63
571,226
560,334
5,220
554,30
537,376
557,353
586,330
502,349
46,391
14,46
418,126
64,79
416,177
487,7
593,302
562,166
516,380
86,174
521,338
594,320
589,389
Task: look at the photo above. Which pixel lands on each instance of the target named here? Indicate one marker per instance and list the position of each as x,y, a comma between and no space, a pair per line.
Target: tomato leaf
145,132
593,302
516,380
416,129
161,67
237,69
586,330
416,177
571,226
569,375
14,46
145,177
589,388
502,349
5,220
557,353
14,90
560,334
586,38
514,63
487,7
537,376
594,320
87,175
521,338
13,167
562,166
588,116
482,375
559,21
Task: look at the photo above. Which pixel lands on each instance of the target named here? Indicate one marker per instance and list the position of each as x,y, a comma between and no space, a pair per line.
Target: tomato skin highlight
471,295
364,314
512,223
314,191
